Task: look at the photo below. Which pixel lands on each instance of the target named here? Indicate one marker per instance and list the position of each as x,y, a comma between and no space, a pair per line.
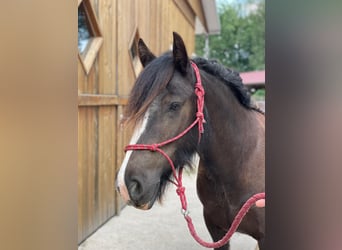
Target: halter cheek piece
199,91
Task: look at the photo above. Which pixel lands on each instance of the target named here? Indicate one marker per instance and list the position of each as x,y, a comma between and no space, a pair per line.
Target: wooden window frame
88,57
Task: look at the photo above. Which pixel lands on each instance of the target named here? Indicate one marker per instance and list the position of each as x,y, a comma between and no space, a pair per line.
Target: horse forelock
149,84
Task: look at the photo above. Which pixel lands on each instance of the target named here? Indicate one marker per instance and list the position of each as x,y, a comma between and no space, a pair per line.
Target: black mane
231,78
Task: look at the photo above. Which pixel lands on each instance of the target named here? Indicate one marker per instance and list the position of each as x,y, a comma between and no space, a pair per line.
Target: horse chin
146,206
150,203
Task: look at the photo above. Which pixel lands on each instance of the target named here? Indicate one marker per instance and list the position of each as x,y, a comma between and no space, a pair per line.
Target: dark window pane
133,50
84,31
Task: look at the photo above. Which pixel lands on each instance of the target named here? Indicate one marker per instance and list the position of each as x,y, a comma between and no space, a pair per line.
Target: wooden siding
103,94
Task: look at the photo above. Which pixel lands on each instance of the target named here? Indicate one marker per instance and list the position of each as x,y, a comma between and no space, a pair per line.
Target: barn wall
103,94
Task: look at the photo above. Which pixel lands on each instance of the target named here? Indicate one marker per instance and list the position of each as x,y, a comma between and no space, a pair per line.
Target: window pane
84,31
133,50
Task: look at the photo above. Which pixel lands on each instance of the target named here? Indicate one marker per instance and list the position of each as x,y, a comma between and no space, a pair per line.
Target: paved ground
160,228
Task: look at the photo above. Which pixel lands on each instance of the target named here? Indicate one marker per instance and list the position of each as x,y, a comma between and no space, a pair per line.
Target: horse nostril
135,190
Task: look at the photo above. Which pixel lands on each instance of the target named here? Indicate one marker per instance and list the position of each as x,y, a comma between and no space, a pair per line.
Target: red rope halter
199,91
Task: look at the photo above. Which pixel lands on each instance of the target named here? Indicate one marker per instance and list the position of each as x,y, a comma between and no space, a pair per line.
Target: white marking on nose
138,131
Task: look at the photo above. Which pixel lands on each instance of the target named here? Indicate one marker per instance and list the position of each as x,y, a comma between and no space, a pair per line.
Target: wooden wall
103,95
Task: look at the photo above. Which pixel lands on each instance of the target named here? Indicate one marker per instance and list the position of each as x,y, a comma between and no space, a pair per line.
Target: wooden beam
197,7
187,11
101,100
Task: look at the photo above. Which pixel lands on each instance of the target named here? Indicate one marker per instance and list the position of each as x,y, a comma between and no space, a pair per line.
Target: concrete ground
160,228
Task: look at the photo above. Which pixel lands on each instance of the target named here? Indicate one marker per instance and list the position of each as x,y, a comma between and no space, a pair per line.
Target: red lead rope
199,91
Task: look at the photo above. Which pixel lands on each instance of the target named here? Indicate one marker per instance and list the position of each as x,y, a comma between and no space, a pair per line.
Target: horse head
162,104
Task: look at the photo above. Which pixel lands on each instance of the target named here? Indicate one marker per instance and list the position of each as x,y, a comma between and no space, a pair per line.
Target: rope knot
153,147
199,91
180,191
200,115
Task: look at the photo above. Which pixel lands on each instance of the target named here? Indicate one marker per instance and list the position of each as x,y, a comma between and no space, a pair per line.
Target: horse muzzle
137,194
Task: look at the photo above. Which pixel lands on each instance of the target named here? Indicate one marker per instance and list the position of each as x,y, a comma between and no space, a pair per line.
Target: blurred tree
242,40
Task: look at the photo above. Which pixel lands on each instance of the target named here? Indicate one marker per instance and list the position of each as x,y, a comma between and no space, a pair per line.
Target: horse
230,140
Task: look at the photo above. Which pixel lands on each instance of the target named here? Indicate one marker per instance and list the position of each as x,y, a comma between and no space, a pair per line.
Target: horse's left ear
145,55
180,55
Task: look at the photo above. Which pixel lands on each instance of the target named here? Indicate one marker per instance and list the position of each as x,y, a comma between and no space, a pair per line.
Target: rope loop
199,86
199,90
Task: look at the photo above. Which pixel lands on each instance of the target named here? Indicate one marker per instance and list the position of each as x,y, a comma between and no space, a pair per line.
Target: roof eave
212,17
212,25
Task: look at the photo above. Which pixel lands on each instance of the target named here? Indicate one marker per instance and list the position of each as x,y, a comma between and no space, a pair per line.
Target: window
89,35
84,31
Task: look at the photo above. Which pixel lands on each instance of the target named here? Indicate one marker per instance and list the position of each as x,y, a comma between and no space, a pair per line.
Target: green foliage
242,40
259,95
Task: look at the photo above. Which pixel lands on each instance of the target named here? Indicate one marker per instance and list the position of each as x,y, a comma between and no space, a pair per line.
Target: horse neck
231,130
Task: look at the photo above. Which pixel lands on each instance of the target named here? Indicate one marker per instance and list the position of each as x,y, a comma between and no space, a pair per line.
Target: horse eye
174,106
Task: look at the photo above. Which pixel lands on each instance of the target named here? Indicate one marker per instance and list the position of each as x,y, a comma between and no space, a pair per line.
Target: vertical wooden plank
80,78
105,59
92,168
165,34
126,25
153,26
87,160
81,181
91,149
106,86
143,17
107,149
119,156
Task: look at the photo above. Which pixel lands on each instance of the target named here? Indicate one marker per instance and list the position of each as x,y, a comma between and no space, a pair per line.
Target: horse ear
145,55
180,55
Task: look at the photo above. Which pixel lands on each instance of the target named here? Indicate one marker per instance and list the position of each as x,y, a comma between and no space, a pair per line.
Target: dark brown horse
231,150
